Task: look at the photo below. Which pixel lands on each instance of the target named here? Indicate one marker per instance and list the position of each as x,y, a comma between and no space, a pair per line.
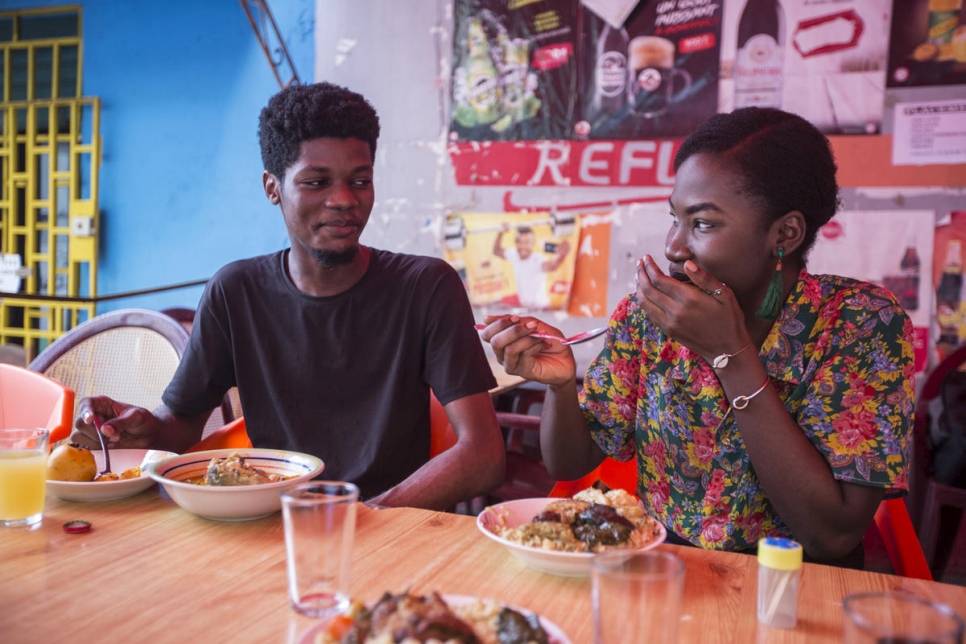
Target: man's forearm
178,433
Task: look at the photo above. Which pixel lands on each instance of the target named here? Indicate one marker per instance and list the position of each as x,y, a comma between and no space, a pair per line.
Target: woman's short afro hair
781,160
305,112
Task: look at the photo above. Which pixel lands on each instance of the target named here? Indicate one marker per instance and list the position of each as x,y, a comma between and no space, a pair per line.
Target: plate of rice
560,536
410,618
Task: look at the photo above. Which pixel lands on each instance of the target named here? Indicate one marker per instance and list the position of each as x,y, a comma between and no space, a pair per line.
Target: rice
558,536
481,615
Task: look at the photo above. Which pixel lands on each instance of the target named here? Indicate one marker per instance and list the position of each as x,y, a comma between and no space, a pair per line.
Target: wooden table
150,571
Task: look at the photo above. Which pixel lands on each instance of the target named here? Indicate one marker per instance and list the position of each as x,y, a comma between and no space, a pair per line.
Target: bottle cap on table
780,553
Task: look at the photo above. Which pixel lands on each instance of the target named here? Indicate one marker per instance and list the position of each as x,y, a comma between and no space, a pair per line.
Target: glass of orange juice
23,475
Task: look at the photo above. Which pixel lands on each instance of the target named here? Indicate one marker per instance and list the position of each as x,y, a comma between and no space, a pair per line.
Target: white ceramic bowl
514,513
121,459
237,502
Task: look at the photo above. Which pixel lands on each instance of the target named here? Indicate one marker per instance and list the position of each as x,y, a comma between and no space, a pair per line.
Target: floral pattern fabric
840,356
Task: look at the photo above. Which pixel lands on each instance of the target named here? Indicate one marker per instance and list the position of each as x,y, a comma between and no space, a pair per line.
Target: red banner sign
565,163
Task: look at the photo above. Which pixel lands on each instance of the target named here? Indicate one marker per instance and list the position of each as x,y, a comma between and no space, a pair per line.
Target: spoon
98,422
574,339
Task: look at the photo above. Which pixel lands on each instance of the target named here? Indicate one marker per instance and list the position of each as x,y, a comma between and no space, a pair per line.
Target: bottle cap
77,527
780,553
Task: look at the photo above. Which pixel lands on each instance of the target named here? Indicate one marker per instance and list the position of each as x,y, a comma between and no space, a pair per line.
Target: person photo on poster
530,269
517,260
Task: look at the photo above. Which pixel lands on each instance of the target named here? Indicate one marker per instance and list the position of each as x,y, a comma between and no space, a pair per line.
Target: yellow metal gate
49,161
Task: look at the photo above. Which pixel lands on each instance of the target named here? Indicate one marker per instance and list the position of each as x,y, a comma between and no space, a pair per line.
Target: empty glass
320,522
636,596
899,618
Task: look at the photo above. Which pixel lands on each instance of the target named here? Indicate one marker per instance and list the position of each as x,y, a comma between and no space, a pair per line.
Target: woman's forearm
567,448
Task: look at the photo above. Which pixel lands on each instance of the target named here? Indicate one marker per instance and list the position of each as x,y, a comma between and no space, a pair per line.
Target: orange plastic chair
442,434
30,399
234,435
899,537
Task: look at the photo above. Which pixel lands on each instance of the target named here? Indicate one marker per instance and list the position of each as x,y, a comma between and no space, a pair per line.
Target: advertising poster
513,70
517,260
928,44
822,59
588,296
898,260
654,76
949,329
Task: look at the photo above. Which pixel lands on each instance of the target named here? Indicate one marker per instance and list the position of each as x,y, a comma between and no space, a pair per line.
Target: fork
583,336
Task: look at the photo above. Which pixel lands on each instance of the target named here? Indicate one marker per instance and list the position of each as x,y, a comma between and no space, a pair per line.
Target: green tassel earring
771,306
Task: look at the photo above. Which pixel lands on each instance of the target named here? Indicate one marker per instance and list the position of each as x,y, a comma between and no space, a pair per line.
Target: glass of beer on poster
654,76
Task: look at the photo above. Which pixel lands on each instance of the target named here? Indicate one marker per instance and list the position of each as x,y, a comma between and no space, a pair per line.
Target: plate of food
233,484
435,617
560,536
75,473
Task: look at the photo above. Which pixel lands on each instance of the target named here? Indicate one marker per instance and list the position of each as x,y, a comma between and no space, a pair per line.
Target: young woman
758,399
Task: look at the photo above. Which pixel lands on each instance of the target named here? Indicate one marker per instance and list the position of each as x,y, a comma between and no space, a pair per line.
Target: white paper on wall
929,132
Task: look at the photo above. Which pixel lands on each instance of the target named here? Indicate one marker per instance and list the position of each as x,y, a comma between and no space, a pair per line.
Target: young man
333,346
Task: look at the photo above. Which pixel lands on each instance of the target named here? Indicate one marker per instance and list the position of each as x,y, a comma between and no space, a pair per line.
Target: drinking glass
23,476
634,594
320,522
899,618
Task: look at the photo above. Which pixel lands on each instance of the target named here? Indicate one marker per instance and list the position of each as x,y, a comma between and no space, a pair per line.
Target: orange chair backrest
30,399
614,474
901,543
442,435
234,435
566,489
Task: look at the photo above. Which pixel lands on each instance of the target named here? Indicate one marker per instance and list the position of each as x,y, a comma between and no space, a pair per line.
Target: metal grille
49,161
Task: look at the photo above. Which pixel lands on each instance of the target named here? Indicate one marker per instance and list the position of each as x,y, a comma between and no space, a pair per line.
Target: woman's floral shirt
840,355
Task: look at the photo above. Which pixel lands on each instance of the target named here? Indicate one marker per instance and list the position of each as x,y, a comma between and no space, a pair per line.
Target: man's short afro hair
305,112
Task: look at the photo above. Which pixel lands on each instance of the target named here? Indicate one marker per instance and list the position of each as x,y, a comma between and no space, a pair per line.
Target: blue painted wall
181,84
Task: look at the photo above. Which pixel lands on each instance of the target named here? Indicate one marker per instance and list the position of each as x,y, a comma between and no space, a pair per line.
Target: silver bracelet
740,402
722,361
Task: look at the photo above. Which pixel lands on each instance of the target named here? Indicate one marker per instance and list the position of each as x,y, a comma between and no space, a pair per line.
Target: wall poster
513,70
949,328
653,76
517,260
928,43
822,59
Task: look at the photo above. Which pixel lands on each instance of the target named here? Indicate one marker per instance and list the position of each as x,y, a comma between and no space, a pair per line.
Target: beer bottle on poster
943,20
758,62
910,265
610,71
948,297
483,81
